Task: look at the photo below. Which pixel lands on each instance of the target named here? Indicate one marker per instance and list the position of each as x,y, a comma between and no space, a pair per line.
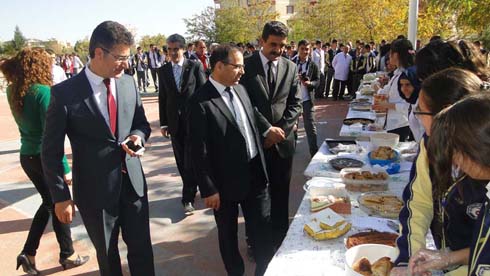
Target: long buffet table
299,254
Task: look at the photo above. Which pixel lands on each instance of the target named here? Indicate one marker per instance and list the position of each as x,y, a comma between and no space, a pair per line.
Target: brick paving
182,245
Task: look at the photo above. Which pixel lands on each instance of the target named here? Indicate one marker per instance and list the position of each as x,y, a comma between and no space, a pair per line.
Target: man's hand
68,178
165,132
212,201
65,211
137,141
425,260
275,135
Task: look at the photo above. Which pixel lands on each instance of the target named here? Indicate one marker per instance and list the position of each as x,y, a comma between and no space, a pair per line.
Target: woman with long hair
29,78
461,137
426,207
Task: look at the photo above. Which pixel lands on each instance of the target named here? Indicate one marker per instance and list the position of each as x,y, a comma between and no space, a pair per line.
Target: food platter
380,204
363,121
340,163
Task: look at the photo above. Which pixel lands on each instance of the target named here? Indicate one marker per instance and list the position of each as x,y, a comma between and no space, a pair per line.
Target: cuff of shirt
266,132
163,127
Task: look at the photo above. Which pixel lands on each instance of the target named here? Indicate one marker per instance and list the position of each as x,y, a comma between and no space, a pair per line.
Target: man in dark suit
98,109
228,160
272,84
310,78
179,79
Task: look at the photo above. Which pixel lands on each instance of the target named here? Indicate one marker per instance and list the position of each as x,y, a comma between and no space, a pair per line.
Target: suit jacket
172,99
283,108
313,74
208,64
97,154
217,148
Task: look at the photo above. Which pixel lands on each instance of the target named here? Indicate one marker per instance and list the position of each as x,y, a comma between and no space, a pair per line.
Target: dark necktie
270,78
228,90
111,106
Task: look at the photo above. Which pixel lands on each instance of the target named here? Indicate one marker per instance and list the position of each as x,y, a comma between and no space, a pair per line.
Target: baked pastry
327,224
338,204
382,267
375,237
366,175
383,153
363,267
382,203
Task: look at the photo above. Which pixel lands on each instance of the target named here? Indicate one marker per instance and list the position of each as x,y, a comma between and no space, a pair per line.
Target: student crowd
232,115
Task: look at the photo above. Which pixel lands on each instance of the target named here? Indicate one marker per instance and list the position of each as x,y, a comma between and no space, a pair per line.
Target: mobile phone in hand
138,150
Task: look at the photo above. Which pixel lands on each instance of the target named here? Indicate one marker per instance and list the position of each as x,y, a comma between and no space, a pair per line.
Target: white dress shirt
77,63
303,67
266,66
180,64
398,117
154,61
58,74
100,92
318,57
241,117
341,64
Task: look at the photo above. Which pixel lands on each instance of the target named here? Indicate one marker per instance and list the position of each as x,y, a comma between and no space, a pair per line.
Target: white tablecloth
301,255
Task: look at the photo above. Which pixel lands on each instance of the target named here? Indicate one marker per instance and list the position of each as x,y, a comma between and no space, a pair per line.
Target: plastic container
383,162
372,252
361,185
384,140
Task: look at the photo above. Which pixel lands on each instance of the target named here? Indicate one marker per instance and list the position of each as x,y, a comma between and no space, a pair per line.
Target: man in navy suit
98,109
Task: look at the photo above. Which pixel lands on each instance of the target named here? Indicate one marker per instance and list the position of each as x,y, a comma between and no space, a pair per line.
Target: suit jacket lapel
261,75
122,107
89,100
281,72
221,105
247,106
184,79
170,71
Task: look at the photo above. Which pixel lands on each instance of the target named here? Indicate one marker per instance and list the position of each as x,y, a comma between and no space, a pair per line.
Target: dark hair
406,54
435,38
176,38
108,34
384,50
196,43
222,53
401,37
334,41
439,55
327,44
447,87
274,28
303,42
190,44
463,128
289,47
318,42
367,47
139,48
411,75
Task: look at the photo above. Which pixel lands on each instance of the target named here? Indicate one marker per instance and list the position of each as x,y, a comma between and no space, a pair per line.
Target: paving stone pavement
182,245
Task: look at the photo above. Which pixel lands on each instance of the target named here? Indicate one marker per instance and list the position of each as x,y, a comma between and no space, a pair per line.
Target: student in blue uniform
460,136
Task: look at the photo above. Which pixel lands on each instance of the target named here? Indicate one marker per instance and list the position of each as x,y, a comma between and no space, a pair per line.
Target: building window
290,9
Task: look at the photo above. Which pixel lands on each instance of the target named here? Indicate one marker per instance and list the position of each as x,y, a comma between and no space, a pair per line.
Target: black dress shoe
69,263
27,266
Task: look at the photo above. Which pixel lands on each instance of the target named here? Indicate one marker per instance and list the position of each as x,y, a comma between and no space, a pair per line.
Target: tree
471,12
202,26
19,40
243,24
81,48
158,40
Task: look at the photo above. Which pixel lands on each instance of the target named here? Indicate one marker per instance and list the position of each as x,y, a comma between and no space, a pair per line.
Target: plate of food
326,225
363,121
336,146
380,204
363,180
340,163
334,197
370,260
371,237
360,106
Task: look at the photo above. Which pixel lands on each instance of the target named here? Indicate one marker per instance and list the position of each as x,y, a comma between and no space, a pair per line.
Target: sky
68,20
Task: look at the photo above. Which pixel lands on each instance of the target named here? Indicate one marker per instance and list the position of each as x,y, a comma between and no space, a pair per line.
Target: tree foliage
19,40
468,12
243,24
158,40
202,26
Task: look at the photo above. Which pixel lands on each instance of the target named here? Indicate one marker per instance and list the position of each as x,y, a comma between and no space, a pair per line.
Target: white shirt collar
181,63
265,60
93,78
220,87
488,190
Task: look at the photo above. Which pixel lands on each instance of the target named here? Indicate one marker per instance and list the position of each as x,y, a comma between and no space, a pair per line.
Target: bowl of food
370,259
383,156
384,140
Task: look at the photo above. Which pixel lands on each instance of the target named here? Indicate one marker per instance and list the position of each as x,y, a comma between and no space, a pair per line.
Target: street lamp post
413,14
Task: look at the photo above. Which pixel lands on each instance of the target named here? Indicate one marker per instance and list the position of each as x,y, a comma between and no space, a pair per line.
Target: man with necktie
179,80
98,109
272,84
154,61
228,160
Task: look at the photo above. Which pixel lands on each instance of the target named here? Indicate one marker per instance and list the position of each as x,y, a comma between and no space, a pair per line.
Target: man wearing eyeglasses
228,160
179,80
98,109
